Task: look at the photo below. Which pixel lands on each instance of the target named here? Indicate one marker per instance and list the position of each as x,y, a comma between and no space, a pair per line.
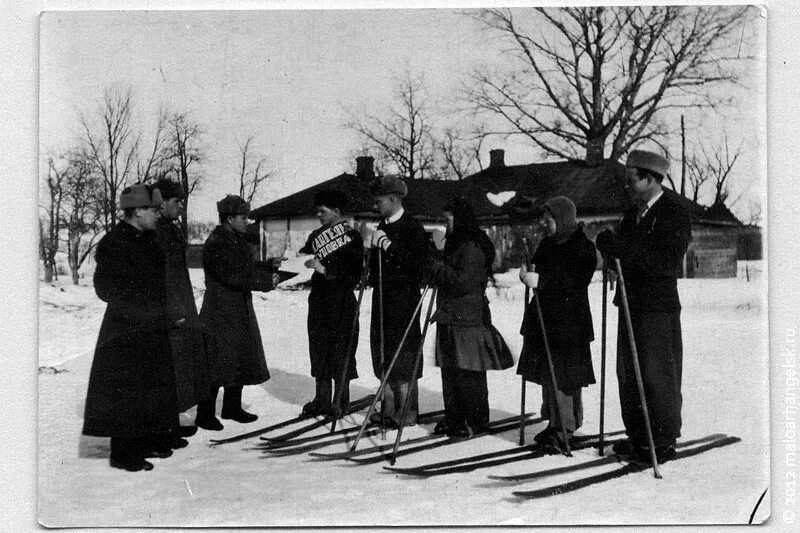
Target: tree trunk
75,275
594,151
48,272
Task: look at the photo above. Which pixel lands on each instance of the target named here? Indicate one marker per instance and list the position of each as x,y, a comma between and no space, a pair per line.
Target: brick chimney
497,158
364,167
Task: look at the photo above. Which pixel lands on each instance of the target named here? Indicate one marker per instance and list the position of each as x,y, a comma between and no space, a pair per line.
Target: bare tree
721,160
184,154
155,164
82,210
112,146
253,171
698,174
50,221
458,153
402,135
584,79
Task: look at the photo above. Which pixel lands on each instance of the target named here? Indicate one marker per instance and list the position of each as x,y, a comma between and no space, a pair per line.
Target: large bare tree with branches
184,154
590,82
112,146
82,210
50,218
401,135
253,171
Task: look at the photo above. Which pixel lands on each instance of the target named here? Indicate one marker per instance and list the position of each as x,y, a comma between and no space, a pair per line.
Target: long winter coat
401,270
565,271
466,338
233,341
131,385
188,350
332,308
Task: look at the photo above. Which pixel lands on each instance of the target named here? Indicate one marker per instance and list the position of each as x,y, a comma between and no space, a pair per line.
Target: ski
289,440
360,403
609,459
314,442
486,460
493,428
622,471
319,422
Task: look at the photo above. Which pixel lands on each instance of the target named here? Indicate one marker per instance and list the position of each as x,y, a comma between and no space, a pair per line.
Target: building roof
597,192
425,198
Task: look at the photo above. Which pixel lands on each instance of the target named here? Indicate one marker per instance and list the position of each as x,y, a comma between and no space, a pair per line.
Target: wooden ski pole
603,357
553,381
389,370
412,388
337,396
636,369
524,384
381,340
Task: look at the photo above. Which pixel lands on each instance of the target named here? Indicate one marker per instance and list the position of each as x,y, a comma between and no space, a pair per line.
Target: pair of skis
354,407
427,442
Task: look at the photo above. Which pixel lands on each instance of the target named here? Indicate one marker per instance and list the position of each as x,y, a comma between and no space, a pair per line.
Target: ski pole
388,372
523,384
337,397
412,388
381,337
603,357
636,369
553,381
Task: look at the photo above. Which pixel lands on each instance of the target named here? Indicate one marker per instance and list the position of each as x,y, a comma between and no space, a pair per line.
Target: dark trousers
658,343
466,396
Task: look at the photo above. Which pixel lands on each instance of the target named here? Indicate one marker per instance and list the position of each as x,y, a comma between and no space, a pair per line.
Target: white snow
725,385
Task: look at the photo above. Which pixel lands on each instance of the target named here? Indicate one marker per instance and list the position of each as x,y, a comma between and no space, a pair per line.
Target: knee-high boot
232,406
206,412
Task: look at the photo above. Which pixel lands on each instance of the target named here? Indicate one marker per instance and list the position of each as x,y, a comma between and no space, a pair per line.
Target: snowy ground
725,385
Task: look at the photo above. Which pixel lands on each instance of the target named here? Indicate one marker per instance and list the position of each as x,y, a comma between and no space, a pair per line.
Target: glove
531,280
610,244
309,263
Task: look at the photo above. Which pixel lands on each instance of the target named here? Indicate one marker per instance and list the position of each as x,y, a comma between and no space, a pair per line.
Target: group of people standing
140,382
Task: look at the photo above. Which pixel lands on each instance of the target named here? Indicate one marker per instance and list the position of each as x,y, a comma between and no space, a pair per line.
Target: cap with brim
648,160
387,185
140,195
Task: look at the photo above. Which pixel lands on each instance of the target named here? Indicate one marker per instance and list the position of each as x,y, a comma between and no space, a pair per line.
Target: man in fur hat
403,249
187,339
131,395
233,341
651,242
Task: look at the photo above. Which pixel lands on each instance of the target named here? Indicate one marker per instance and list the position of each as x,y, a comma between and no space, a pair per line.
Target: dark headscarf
465,229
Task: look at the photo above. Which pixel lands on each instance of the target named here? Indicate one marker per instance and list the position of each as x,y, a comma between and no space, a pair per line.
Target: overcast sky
283,76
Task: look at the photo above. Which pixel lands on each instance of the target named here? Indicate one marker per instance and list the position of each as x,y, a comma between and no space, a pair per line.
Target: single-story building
502,196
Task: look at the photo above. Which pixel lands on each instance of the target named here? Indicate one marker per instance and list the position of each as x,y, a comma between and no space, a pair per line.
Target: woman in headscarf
564,264
467,345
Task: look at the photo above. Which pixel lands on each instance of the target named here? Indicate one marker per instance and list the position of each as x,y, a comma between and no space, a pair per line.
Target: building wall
712,252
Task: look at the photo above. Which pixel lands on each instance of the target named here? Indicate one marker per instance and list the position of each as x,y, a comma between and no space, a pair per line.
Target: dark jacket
233,341
131,385
188,351
332,306
652,258
466,338
565,271
401,267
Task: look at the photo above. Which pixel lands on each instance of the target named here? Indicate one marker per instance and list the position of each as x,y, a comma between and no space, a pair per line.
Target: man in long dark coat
652,240
233,341
403,244
189,356
337,263
565,262
131,394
